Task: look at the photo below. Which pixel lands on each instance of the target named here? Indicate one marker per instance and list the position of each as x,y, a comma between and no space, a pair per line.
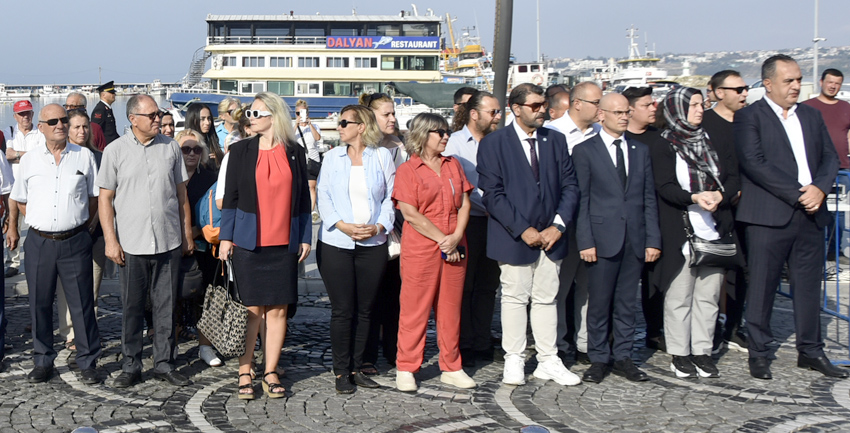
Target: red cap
22,106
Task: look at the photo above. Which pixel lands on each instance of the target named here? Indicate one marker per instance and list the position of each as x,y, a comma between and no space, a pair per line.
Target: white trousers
690,310
537,284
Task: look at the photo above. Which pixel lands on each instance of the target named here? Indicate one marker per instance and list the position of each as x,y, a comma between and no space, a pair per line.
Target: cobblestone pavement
795,400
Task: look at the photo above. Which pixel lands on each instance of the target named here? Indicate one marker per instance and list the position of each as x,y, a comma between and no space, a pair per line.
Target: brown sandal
250,385
272,389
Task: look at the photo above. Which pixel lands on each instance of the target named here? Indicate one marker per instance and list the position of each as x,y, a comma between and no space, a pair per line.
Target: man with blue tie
530,191
617,230
788,164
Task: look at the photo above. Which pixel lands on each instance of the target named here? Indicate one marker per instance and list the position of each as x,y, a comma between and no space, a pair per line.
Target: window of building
252,87
307,89
409,63
419,29
282,88
238,29
229,61
349,88
272,29
227,86
346,29
383,30
337,62
365,62
308,62
310,29
280,62
253,62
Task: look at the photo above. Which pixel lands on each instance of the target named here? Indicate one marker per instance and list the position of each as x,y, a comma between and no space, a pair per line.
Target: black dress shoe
484,355
361,379
760,368
627,369
821,364
467,358
582,358
344,384
657,343
40,374
89,376
173,377
126,380
595,373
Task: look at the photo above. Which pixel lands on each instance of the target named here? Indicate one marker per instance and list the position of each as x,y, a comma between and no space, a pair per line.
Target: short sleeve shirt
145,179
438,198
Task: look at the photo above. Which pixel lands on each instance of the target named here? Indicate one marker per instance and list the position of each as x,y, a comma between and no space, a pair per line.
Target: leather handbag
224,320
719,253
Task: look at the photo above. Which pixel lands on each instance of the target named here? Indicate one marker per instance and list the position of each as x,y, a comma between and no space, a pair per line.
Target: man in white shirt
56,193
24,138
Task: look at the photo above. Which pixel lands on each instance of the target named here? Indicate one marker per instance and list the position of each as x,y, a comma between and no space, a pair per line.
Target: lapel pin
544,138
633,147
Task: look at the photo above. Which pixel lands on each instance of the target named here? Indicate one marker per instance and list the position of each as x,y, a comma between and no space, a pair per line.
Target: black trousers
71,261
157,274
613,281
383,331
479,289
800,243
652,303
351,278
736,289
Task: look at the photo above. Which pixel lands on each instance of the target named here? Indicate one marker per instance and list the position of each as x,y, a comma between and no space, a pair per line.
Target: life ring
537,79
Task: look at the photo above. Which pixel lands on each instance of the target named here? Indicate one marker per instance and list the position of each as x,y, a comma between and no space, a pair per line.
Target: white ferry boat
637,70
327,60
16,94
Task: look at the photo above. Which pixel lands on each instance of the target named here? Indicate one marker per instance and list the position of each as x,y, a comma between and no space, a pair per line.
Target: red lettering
359,43
331,43
369,42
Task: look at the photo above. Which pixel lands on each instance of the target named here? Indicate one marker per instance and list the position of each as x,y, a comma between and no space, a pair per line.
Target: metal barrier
837,202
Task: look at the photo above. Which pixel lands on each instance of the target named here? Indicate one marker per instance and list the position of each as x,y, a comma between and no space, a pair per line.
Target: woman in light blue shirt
355,187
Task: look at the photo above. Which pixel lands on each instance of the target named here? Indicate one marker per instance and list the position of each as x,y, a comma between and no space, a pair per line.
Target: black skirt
266,275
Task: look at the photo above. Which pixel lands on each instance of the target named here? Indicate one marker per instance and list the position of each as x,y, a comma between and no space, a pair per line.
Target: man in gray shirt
146,223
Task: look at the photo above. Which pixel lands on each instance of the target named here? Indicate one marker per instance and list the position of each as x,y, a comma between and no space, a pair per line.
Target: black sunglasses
442,132
345,122
53,122
190,149
739,89
535,106
151,116
375,96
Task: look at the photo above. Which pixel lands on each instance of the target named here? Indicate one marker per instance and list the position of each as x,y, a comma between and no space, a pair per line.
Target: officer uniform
103,115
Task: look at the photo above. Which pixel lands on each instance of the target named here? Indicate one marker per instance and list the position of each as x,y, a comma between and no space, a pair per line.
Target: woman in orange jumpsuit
433,195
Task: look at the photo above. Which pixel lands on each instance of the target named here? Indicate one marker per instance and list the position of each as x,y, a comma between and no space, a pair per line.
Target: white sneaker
457,378
514,372
554,370
207,354
405,381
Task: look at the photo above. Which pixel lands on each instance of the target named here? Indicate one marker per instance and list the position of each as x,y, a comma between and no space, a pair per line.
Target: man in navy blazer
530,192
617,230
788,164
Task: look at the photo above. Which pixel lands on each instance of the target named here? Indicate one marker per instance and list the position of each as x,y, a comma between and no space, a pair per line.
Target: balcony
266,40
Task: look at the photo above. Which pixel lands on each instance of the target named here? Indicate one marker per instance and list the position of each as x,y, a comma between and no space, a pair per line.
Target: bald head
584,104
57,133
614,114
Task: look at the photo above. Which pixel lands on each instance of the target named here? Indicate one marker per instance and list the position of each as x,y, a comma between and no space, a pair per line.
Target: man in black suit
788,163
617,230
103,115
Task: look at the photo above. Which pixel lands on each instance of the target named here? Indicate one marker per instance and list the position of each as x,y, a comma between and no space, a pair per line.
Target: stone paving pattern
795,400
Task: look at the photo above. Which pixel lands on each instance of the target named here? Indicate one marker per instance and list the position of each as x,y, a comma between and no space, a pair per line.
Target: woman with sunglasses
266,229
310,137
433,194
384,330
199,118
79,133
693,178
195,156
355,189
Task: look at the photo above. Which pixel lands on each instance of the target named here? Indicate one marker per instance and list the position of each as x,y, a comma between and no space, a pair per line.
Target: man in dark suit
102,114
617,230
788,163
530,192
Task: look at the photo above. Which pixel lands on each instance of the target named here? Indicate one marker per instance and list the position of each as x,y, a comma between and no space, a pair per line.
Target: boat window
282,88
308,62
280,62
535,68
337,62
227,86
307,89
522,68
253,62
365,62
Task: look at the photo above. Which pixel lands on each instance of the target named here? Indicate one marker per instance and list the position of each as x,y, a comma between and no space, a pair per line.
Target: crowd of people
581,211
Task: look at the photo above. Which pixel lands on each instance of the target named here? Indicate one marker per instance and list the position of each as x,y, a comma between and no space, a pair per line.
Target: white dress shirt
57,196
523,139
612,149
462,145
794,131
566,126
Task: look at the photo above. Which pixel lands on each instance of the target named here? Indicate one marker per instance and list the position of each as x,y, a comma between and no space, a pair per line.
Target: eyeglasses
345,122
151,116
493,113
738,90
618,113
442,132
197,150
53,122
70,107
256,114
536,106
596,102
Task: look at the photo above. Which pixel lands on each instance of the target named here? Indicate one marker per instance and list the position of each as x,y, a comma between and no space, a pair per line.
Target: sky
65,42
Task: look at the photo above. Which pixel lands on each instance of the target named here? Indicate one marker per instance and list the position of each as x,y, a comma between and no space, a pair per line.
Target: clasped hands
541,239
811,199
448,245
358,232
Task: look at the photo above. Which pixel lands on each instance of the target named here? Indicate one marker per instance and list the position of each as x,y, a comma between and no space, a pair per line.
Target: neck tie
621,162
535,167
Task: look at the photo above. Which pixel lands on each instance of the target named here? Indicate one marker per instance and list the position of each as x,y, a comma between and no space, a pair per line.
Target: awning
434,95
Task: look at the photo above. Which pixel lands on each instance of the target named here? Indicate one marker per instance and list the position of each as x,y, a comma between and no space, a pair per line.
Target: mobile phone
461,249
303,113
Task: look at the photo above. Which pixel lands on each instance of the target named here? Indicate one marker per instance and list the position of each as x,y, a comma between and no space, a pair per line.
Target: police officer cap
107,87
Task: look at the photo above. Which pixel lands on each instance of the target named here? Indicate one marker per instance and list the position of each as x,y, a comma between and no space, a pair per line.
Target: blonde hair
281,117
301,103
372,135
191,133
226,103
420,127
374,100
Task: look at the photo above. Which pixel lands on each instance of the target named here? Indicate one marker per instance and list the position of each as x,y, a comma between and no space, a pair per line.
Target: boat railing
267,40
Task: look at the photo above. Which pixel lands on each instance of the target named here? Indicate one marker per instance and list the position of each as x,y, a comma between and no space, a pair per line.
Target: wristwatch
560,227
